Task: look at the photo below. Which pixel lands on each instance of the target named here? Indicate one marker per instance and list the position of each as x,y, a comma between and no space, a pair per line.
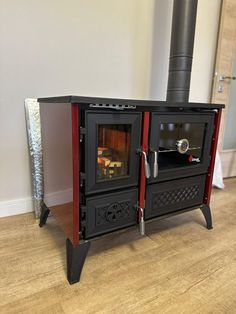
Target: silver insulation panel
33,123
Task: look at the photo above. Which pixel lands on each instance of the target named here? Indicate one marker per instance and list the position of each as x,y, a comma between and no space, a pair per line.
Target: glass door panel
113,152
180,144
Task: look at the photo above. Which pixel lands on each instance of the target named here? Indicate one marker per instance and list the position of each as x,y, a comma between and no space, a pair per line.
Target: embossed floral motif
111,213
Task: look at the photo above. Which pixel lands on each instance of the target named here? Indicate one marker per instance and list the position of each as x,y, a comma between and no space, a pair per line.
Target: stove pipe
181,50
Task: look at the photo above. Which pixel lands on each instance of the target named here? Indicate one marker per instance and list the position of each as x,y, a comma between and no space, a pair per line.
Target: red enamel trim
142,181
76,171
208,187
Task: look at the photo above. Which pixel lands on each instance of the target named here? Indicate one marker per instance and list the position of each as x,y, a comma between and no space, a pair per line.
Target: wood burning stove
115,163
132,161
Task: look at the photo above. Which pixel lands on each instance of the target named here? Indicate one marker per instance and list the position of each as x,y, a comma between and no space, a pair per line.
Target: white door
224,86
229,141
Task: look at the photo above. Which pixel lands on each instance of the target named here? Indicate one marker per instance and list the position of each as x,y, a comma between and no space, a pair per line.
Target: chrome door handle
142,222
146,164
155,165
224,77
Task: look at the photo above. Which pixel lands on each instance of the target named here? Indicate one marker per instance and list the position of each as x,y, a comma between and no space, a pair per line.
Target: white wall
204,50
63,47
160,48
103,48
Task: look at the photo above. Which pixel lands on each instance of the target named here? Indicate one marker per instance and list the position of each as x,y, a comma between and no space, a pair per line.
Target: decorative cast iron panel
169,196
109,212
112,212
175,196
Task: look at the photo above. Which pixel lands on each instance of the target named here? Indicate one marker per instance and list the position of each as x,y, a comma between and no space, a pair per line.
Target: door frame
225,55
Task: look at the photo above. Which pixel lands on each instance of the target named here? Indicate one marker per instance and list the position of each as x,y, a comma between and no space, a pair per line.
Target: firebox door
111,143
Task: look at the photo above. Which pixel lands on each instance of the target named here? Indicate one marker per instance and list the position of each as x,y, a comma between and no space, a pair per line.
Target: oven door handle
146,165
155,163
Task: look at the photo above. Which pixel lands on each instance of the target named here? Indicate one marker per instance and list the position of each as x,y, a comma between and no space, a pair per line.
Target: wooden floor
178,267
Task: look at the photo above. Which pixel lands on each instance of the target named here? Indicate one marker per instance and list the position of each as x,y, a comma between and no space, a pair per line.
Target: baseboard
25,205
16,207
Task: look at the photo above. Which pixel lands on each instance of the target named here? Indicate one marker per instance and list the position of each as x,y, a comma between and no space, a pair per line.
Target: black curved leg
44,215
207,215
75,257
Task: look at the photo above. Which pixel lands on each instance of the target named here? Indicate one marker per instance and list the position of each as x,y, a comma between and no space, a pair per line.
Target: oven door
111,143
179,144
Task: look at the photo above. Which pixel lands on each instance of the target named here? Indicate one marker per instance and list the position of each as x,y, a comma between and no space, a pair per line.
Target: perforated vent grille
176,196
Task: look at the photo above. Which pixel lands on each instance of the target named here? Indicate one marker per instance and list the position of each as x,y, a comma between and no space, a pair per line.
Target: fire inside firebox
113,151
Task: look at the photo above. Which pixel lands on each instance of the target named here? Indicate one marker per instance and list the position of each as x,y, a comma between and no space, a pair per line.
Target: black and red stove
132,161
110,164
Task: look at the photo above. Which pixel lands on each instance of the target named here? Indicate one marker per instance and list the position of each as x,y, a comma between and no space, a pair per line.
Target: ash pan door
110,212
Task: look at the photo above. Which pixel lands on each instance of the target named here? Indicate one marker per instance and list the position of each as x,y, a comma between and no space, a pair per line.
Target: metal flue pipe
181,50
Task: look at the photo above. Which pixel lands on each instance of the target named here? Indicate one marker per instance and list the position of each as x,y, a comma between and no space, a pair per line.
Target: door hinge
83,211
82,179
82,132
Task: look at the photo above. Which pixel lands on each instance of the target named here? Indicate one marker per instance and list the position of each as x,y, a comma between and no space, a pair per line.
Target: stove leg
207,215
75,257
44,215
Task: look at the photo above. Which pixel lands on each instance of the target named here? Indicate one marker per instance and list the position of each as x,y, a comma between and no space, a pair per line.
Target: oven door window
113,151
180,144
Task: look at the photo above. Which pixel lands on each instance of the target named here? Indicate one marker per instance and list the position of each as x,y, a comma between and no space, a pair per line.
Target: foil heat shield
33,124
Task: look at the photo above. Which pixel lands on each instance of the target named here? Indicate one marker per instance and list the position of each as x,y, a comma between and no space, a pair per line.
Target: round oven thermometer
182,146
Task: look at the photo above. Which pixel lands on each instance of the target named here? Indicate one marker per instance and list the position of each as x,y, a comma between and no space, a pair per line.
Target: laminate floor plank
178,267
